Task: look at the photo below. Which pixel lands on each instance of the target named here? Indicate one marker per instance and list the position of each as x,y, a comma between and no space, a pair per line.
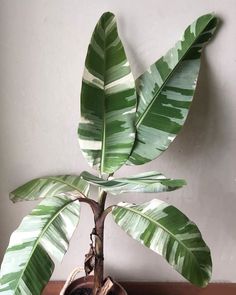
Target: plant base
84,286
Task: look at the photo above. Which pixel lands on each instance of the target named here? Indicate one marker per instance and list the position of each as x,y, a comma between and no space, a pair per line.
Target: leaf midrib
64,182
142,117
124,181
104,112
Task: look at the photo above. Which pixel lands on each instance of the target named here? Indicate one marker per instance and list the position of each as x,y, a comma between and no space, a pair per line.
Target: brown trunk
99,258
98,232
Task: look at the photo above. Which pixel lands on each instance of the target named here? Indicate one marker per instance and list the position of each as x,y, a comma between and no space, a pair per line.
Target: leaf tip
12,197
204,283
184,182
211,20
106,18
107,15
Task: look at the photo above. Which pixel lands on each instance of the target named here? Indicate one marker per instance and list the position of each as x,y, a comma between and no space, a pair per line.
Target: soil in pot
83,291
84,286
86,291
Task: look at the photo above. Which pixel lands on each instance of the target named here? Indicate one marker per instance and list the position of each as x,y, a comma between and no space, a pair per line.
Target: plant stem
100,214
102,199
99,255
99,244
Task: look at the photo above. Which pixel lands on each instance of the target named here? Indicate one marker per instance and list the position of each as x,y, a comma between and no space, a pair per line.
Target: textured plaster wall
42,50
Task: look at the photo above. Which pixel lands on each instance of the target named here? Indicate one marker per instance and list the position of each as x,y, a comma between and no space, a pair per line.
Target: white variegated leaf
41,237
108,100
168,232
148,182
48,187
165,92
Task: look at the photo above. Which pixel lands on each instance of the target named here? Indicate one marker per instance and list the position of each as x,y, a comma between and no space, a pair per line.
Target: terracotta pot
87,282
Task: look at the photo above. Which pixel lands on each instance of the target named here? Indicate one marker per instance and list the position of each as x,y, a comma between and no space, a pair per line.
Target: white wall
42,49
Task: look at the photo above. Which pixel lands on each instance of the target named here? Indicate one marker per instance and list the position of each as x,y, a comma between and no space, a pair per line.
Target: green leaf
108,100
48,187
165,92
148,182
168,232
42,236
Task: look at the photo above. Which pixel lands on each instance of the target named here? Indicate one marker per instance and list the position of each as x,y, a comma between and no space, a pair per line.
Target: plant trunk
99,256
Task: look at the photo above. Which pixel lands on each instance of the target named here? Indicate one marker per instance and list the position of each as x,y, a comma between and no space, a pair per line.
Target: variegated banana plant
123,122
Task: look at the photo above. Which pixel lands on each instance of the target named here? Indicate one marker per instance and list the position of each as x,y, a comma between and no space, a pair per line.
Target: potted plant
123,121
